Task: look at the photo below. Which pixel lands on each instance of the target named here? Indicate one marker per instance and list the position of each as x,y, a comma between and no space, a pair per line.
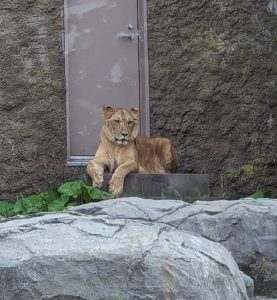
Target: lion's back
155,155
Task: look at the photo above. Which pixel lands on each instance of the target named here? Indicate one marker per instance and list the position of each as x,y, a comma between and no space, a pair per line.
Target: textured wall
32,98
213,84
213,81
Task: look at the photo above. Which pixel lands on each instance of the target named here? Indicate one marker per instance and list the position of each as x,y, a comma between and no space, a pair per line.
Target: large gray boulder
246,227
262,298
76,255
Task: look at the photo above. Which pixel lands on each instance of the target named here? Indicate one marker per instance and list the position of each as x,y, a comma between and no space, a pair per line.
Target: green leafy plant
86,193
264,194
6,209
257,195
67,195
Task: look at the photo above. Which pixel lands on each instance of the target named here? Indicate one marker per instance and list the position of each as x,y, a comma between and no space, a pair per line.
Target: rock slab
246,227
76,255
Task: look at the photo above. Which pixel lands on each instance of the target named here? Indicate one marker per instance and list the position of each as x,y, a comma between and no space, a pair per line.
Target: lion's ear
108,111
134,113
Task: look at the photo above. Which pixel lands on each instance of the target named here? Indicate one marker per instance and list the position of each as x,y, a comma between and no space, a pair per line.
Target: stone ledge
187,187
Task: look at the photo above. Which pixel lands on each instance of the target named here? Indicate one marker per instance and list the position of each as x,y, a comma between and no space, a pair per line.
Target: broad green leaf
22,207
72,204
90,193
65,198
32,204
49,196
57,205
72,189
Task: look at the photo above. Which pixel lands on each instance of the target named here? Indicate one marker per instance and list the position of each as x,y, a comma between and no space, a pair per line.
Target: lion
123,150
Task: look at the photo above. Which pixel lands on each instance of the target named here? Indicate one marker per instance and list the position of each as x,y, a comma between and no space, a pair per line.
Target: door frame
77,161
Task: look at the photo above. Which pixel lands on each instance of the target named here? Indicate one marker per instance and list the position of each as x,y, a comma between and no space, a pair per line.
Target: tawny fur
122,150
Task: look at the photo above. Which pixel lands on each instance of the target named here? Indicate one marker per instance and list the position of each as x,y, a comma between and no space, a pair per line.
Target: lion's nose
124,133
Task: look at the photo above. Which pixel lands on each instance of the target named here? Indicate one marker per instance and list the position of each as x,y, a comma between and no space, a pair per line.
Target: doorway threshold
78,161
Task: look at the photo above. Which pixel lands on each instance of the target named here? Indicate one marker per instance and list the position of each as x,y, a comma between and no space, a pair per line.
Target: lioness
123,151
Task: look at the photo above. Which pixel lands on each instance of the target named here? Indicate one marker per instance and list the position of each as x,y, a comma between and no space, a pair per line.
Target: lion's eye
130,123
116,121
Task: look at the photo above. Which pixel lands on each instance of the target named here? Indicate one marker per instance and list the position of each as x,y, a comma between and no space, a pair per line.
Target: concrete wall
32,97
213,84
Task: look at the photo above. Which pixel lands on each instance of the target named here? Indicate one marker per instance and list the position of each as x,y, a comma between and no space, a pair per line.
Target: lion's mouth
122,141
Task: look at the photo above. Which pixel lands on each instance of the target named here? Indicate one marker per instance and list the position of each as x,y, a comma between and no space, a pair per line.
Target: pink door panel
102,66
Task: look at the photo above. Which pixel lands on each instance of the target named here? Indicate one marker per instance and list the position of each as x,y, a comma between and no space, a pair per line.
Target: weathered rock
75,256
247,228
262,298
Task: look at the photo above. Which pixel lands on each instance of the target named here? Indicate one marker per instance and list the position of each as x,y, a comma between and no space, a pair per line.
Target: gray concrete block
187,187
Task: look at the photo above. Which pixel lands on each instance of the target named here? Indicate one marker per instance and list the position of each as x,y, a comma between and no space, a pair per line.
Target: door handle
128,35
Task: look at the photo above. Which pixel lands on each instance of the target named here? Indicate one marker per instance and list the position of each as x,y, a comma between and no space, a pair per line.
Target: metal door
102,52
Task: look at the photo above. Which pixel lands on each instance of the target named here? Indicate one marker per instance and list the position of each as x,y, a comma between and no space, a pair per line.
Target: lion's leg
117,181
170,158
95,170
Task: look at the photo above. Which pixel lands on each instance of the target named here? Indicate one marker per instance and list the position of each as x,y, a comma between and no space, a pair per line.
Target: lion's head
120,125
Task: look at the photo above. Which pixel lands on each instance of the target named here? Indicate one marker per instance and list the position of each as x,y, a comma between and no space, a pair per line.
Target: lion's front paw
96,174
97,184
97,180
116,185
